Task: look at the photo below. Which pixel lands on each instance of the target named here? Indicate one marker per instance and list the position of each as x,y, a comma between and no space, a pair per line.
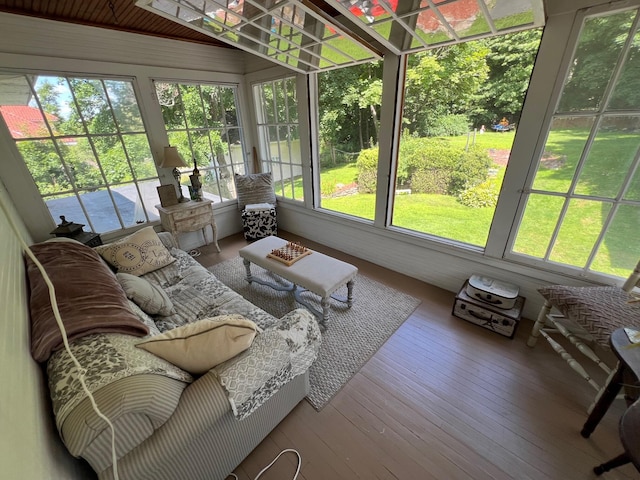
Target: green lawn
603,172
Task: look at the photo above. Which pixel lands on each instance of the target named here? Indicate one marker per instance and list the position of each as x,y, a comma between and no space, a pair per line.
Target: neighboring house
24,121
31,44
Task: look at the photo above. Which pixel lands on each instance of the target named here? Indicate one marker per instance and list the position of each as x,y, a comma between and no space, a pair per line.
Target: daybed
169,423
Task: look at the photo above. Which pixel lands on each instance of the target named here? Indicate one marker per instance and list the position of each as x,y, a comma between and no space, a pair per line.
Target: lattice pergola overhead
302,36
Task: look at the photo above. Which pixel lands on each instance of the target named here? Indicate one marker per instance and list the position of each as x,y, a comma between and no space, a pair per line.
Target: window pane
633,192
583,219
618,255
125,107
92,103
600,45
83,166
211,136
538,224
171,105
279,138
43,161
140,154
590,160
113,159
626,95
349,102
565,144
461,108
617,142
68,206
57,103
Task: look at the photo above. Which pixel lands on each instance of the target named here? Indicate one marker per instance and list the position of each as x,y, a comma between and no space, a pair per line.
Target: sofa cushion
90,299
199,346
255,188
150,298
138,253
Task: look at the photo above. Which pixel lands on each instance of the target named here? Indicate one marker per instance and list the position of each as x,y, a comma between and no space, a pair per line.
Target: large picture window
583,208
203,122
461,108
349,101
276,105
85,145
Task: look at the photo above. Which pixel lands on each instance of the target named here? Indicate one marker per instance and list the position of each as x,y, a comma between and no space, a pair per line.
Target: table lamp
172,158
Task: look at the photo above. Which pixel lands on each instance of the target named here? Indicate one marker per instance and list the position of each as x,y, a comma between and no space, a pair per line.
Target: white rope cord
56,314
274,461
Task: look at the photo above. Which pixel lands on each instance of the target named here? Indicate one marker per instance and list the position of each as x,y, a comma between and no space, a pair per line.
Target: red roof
24,121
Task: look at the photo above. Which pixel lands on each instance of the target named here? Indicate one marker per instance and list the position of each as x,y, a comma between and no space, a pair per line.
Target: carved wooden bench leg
573,363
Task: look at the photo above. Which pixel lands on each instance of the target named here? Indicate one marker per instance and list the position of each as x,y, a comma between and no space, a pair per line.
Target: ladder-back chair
587,316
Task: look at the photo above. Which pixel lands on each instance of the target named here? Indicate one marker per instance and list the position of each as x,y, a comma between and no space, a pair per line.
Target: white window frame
267,161
77,191
519,197
234,165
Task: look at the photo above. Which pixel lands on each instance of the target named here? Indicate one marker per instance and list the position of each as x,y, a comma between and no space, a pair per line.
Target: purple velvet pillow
89,297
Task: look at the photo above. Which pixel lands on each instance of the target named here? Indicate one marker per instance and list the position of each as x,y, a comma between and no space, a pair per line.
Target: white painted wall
30,447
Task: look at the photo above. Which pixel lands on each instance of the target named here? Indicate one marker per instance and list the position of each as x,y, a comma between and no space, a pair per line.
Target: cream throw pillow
139,253
199,346
150,298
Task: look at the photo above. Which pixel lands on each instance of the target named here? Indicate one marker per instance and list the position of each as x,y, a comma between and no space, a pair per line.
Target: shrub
448,126
328,187
367,164
430,181
471,169
483,195
428,165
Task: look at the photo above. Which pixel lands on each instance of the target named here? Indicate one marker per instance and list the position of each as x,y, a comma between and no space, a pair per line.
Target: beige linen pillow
139,253
254,188
199,346
150,298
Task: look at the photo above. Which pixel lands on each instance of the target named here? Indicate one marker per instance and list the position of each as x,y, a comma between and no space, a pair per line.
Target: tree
599,49
510,61
349,100
442,82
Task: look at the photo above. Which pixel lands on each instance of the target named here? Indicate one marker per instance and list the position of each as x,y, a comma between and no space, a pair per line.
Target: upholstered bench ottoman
316,272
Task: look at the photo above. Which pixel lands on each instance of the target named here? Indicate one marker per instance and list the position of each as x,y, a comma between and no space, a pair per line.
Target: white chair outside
587,316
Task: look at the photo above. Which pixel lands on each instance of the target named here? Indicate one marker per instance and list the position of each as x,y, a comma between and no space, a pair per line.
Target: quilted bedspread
285,348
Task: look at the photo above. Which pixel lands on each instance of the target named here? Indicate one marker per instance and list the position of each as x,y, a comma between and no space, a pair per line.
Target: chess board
290,253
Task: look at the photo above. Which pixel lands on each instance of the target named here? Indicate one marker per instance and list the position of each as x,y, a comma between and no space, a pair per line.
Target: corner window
349,101
85,145
276,104
583,207
203,122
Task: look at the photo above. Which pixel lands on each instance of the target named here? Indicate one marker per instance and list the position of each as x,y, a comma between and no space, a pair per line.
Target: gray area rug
353,334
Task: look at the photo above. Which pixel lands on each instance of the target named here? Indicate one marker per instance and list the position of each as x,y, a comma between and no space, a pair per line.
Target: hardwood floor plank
443,399
415,437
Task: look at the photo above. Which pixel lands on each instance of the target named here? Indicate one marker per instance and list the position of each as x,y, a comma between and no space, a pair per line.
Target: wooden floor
442,399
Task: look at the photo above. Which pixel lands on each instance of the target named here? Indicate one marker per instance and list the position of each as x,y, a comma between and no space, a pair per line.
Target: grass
602,175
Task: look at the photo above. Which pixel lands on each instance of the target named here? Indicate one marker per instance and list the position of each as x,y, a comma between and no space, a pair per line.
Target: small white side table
189,217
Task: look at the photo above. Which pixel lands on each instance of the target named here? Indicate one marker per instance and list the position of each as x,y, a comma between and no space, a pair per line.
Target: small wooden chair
587,317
